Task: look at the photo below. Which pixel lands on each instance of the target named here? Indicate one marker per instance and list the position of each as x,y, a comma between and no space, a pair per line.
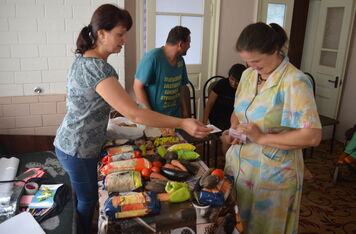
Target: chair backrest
310,76
190,99
208,86
193,109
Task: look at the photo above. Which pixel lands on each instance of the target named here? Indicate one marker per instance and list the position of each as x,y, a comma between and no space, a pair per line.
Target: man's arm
185,101
140,92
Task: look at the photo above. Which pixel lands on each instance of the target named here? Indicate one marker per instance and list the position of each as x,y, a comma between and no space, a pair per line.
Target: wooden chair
188,97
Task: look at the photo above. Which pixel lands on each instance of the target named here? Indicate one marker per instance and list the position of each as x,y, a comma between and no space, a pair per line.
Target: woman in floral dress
275,109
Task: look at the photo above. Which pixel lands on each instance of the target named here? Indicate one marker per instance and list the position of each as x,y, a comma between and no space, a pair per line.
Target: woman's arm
209,105
295,139
228,140
113,93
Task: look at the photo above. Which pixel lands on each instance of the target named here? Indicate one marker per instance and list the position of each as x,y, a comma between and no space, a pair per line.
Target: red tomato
157,164
146,172
219,173
156,169
137,154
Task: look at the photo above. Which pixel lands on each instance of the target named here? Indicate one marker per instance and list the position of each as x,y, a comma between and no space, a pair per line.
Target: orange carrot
176,163
167,165
163,196
155,175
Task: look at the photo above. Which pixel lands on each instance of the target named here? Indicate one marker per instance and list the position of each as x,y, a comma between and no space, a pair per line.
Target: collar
274,78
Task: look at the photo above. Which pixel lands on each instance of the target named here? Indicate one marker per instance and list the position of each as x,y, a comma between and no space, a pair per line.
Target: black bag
61,198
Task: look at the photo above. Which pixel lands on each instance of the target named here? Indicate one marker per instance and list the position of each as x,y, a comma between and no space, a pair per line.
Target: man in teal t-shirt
162,75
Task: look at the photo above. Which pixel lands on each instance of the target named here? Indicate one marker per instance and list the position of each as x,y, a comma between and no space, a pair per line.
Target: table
173,218
65,222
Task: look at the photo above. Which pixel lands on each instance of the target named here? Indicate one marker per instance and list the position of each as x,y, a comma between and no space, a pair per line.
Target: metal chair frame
209,84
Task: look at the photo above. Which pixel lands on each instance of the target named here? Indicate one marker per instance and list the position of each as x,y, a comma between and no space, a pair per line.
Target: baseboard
19,144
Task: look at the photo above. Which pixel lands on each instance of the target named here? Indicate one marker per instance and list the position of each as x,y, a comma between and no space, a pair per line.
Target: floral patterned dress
268,181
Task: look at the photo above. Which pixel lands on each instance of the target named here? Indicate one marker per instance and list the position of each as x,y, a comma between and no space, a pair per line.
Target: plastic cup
31,188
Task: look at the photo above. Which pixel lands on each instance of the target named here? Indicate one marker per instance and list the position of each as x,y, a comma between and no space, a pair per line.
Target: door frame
309,51
213,39
262,12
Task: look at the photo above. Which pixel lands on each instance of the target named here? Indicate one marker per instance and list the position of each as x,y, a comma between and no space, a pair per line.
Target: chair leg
207,144
216,153
332,139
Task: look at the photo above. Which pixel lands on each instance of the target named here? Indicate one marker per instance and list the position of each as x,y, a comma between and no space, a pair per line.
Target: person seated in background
162,76
349,155
220,102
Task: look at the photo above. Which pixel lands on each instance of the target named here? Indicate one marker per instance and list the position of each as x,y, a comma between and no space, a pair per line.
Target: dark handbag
61,198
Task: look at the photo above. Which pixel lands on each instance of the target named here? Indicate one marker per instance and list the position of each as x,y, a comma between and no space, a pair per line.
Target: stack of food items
212,188
138,174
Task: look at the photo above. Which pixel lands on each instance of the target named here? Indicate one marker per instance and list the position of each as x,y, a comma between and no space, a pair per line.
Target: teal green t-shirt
162,81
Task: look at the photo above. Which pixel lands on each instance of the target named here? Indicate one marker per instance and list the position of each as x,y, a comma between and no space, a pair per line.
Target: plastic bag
114,131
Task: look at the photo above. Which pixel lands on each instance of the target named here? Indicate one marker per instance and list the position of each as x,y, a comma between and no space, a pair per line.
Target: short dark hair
236,71
263,38
105,17
177,34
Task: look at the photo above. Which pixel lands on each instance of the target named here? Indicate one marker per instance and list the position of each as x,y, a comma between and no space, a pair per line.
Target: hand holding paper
215,129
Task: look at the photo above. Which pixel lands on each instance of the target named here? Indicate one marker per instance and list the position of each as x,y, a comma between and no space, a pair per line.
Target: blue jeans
83,176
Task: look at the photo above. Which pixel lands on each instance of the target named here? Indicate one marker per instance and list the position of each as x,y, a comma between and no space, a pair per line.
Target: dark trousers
83,176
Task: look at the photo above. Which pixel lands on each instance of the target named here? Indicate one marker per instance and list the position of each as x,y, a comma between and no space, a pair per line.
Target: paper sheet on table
23,223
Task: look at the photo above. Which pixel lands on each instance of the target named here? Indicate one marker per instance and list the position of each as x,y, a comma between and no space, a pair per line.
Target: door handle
336,81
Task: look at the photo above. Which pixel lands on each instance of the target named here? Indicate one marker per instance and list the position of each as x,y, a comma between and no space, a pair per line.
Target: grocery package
132,205
135,164
181,146
121,153
213,188
122,181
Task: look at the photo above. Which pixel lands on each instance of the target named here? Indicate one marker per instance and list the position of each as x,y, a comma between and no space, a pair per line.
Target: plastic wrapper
114,131
187,154
136,164
211,198
9,204
181,146
122,181
132,205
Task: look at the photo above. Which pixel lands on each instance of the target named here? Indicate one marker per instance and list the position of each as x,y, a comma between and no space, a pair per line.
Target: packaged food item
135,164
181,146
122,181
166,140
187,154
132,205
128,152
168,131
120,149
175,192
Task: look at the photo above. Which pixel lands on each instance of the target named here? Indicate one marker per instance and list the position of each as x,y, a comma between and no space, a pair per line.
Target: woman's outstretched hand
195,128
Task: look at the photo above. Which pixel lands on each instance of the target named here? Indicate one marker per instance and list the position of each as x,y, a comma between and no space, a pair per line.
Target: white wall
37,43
234,16
347,111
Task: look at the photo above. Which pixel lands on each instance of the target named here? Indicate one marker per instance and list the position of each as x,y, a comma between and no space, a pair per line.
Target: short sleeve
145,70
97,70
299,108
185,79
